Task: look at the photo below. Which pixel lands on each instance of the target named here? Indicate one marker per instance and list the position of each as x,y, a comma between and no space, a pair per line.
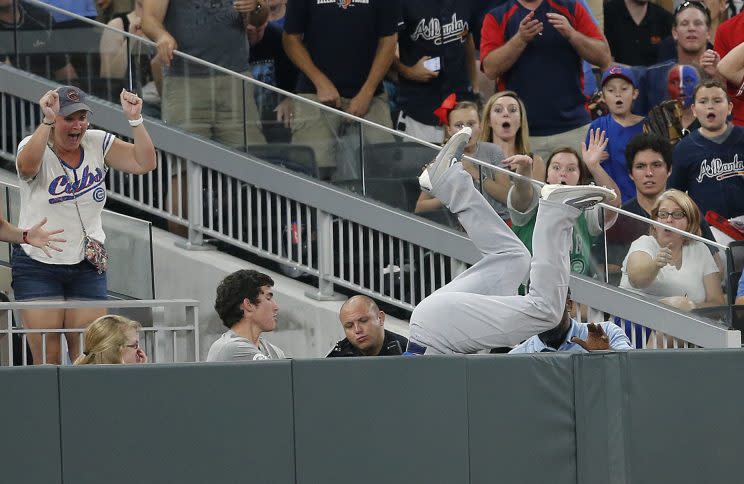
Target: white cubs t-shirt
53,191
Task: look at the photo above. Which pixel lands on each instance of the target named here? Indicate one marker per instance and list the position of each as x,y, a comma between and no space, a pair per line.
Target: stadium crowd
643,98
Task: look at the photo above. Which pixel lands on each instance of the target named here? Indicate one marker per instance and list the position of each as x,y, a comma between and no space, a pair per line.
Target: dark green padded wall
29,441
521,418
222,423
685,419
391,420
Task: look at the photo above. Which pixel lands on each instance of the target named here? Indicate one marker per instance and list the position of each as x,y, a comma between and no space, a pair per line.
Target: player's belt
415,348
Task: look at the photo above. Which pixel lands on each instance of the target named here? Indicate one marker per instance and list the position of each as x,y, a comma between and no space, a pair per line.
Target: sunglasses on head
692,4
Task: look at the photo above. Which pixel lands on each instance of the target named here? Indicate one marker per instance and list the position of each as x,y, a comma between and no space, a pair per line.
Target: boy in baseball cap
620,124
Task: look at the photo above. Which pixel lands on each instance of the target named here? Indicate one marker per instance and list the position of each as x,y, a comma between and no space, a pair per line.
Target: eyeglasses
676,215
693,4
134,345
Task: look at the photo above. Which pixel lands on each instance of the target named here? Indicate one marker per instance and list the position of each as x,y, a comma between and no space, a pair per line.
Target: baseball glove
665,120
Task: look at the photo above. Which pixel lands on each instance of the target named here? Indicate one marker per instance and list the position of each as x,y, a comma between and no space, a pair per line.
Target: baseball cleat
579,196
450,154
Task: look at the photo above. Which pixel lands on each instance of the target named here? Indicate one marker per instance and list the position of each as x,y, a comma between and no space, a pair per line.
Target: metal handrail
190,306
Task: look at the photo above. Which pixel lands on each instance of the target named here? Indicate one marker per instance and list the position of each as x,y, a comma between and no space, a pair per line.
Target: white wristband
136,122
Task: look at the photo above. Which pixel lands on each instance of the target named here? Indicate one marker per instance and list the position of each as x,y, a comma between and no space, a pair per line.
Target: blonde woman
112,340
504,123
665,264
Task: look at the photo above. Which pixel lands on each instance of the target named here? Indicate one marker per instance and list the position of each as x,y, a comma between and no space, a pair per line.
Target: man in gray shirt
196,98
245,303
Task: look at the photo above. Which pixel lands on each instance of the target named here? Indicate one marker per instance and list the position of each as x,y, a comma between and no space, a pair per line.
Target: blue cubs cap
618,71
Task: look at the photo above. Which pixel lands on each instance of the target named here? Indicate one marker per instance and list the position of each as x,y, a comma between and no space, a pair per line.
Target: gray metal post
192,317
195,209
9,335
362,164
324,243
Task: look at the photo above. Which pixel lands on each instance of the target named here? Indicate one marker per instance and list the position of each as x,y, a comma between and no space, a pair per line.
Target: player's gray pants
479,309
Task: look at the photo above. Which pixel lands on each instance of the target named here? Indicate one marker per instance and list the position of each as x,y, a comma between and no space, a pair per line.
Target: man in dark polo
363,324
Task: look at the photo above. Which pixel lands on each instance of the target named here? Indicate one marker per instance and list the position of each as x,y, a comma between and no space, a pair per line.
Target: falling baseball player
480,308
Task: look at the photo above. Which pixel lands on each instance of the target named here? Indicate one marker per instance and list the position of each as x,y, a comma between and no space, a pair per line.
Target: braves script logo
720,170
440,34
60,189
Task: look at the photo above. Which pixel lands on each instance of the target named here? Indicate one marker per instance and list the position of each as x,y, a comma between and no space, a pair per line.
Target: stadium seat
299,158
400,160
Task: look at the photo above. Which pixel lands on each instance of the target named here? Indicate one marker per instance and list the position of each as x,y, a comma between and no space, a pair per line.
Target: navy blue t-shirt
547,75
341,37
711,173
615,165
434,28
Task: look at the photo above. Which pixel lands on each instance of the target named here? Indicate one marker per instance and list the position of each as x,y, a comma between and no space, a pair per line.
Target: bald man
363,323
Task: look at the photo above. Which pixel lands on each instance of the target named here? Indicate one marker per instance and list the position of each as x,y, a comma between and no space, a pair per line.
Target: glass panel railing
128,243
390,166
207,100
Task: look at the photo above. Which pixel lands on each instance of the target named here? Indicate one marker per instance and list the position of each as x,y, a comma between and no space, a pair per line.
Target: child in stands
618,91
458,115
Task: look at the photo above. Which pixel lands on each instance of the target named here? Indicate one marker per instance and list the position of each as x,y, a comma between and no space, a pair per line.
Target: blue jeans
36,280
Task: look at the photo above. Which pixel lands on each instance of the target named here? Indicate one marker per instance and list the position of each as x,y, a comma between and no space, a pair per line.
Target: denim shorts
36,280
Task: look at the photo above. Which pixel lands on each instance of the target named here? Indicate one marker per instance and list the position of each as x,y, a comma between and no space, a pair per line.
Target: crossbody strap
74,195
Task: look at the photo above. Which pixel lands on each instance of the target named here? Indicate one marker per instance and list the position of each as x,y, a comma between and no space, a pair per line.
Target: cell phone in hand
433,64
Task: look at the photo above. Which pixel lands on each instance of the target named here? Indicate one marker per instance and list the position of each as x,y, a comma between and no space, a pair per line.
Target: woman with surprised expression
494,186
505,124
565,167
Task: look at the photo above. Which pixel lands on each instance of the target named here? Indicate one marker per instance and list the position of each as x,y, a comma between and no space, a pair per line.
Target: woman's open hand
44,240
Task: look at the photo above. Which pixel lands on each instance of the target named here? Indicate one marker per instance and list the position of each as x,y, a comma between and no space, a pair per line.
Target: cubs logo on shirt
61,189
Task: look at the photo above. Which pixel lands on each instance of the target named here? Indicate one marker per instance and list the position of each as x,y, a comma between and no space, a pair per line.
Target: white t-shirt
50,194
697,262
